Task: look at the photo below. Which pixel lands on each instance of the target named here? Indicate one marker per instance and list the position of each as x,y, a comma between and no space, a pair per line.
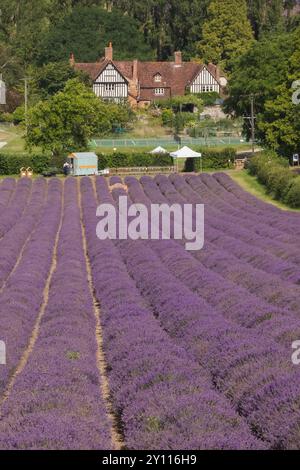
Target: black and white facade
205,82
111,85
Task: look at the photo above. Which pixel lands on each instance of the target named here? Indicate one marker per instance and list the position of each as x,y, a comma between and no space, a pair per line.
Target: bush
118,160
292,197
167,117
6,117
19,115
273,172
209,99
211,159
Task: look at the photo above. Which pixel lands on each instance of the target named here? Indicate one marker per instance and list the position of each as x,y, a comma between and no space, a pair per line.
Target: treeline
256,42
39,31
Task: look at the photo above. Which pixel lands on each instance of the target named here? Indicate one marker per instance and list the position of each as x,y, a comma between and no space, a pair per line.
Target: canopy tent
186,152
158,150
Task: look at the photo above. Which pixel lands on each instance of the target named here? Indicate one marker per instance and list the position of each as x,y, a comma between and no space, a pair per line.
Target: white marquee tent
158,150
185,152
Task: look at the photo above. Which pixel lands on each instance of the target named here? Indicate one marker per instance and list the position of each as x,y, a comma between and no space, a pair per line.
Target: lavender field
142,344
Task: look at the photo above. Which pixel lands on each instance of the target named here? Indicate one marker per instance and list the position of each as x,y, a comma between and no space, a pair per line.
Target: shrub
211,159
119,159
273,171
292,197
19,115
6,117
167,117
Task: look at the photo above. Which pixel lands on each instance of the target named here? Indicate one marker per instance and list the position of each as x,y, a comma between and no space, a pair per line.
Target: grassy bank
251,184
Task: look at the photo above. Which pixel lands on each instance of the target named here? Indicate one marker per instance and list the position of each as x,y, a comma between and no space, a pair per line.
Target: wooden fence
153,170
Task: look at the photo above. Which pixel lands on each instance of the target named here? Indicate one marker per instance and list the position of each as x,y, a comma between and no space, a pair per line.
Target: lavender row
233,239
22,297
250,231
56,402
233,301
14,210
248,369
7,188
283,220
12,243
238,208
163,397
264,285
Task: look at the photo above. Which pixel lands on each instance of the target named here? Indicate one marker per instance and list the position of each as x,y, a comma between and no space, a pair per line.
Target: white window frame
159,91
157,78
109,87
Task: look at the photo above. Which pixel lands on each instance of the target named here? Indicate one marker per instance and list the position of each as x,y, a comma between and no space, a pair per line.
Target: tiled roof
173,76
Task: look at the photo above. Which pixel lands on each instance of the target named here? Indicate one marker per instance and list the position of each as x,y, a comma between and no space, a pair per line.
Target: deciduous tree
227,33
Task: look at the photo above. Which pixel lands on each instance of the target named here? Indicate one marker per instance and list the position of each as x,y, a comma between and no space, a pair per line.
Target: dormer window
157,78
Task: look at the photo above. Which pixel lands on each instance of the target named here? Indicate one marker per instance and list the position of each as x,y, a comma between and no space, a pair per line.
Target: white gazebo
159,150
186,152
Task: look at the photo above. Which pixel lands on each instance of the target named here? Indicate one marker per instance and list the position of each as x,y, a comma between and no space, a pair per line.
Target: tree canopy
67,121
87,30
226,34
268,71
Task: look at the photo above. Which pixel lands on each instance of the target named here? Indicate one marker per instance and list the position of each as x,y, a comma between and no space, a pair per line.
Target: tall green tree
259,72
52,78
267,15
168,25
87,30
67,121
227,33
280,122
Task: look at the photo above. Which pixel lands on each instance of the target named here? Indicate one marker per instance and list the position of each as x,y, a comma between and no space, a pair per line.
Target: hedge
274,173
211,159
10,164
292,196
118,159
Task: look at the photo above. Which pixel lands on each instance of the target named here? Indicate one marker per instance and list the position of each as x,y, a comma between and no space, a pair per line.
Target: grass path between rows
250,184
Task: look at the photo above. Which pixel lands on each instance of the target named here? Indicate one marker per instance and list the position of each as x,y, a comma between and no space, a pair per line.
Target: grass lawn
252,185
14,137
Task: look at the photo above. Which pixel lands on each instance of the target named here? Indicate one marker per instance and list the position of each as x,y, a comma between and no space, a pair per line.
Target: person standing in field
66,168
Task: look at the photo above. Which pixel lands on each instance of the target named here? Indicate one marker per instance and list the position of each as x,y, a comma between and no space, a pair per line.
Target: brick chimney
109,52
135,71
72,60
216,70
178,57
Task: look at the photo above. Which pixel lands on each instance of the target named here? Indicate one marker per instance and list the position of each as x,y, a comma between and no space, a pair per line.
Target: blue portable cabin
83,163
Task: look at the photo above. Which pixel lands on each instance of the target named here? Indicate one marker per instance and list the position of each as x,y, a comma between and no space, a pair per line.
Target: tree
227,33
67,121
52,78
87,30
267,15
259,72
280,123
168,25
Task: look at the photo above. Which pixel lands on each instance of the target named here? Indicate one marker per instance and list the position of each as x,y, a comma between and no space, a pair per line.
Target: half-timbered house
144,82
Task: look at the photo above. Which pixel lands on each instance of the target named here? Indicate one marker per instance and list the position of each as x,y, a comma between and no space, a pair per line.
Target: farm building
144,82
83,163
